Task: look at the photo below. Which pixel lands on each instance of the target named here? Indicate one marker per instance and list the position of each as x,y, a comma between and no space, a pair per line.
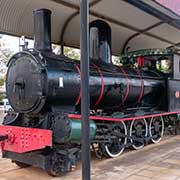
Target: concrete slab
154,162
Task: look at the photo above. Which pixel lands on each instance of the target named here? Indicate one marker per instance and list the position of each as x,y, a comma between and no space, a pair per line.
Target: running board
116,119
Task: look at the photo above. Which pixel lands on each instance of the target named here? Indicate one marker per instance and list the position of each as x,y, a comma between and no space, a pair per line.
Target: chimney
42,30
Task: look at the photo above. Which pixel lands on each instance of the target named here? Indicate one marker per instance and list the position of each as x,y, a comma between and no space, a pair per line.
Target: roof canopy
135,24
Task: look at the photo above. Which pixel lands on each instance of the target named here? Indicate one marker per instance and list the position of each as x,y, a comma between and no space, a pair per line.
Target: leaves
68,51
2,96
72,53
5,52
2,82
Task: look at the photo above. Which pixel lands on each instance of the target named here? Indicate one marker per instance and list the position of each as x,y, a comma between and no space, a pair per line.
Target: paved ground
155,162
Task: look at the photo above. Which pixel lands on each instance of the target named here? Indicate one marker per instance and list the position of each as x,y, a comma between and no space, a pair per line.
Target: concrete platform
154,162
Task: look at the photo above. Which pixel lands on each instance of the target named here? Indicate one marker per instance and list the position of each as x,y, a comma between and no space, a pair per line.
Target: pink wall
173,5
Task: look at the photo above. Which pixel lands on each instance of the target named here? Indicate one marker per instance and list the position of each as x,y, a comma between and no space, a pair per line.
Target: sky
12,43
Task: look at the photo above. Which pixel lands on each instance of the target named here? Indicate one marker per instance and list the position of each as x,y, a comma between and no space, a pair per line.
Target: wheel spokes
116,148
138,130
156,129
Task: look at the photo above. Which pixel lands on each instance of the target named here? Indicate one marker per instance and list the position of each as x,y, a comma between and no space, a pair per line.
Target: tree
72,53
2,82
5,52
68,51
2,96
116,60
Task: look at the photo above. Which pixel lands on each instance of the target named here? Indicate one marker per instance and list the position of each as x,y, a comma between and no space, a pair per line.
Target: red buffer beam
21,140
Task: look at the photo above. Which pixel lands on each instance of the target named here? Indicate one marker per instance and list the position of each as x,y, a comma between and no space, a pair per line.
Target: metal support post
84,11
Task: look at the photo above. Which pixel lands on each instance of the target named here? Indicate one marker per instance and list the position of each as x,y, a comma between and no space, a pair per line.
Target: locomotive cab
174,85
163,62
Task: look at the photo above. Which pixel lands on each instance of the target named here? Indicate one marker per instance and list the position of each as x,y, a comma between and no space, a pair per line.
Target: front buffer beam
22,139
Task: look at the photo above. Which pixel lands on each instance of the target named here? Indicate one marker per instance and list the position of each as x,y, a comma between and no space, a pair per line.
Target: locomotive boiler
127,103
42,81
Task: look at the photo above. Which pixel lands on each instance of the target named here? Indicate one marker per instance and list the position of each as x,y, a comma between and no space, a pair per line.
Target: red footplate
21,140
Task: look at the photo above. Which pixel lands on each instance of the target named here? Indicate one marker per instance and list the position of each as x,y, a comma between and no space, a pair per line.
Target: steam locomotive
129,104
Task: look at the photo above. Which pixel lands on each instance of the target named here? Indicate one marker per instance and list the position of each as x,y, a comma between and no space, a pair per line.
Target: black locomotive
129,104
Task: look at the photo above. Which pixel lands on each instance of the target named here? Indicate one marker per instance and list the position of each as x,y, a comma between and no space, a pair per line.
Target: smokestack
42,30
100,41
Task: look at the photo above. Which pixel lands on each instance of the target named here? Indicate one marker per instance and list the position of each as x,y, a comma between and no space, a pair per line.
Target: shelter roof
135,24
